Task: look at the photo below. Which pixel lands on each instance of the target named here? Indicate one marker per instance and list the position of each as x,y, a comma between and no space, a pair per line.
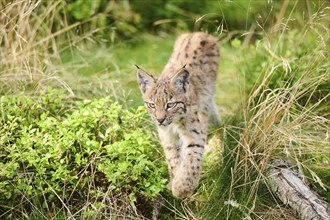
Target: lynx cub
180,103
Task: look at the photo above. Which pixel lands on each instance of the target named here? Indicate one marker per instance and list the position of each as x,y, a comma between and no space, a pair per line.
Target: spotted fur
180,103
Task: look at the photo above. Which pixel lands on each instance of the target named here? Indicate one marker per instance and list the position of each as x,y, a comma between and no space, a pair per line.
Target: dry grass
279,213
285,115
112,206
285,122
33,34
275,128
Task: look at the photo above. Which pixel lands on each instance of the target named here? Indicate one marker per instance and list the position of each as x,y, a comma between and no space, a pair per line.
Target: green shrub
75,153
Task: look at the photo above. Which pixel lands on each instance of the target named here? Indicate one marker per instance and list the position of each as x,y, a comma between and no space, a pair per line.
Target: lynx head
165,98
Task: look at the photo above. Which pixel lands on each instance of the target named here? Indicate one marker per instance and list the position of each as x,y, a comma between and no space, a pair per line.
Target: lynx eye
150,105
170,105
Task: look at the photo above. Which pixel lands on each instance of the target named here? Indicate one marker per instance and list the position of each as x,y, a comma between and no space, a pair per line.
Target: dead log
294,190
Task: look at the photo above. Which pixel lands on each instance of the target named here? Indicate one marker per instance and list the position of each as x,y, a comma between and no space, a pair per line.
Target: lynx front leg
188,173
170,143
172,154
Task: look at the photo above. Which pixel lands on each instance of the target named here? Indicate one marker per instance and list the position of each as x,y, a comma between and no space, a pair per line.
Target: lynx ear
145,80
180,80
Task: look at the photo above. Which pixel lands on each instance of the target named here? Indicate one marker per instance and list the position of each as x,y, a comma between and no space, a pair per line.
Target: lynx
181,104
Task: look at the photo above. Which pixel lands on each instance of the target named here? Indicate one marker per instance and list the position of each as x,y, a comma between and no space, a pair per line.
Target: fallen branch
292,189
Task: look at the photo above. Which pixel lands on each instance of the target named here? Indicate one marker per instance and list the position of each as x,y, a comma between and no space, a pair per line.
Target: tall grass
33,34
285,115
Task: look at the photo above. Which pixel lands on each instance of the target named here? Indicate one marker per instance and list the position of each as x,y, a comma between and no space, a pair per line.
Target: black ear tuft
145,80
181,80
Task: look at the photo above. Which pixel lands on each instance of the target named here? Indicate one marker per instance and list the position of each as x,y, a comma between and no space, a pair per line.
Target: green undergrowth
75,157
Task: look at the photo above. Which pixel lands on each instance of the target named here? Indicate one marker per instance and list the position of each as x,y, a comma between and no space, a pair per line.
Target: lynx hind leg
214,116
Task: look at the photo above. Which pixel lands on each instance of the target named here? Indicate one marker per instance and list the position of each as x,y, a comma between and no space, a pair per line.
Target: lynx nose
160,120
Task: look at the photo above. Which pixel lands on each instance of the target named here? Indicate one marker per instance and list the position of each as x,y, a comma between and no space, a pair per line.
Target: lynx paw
182,192
182,188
